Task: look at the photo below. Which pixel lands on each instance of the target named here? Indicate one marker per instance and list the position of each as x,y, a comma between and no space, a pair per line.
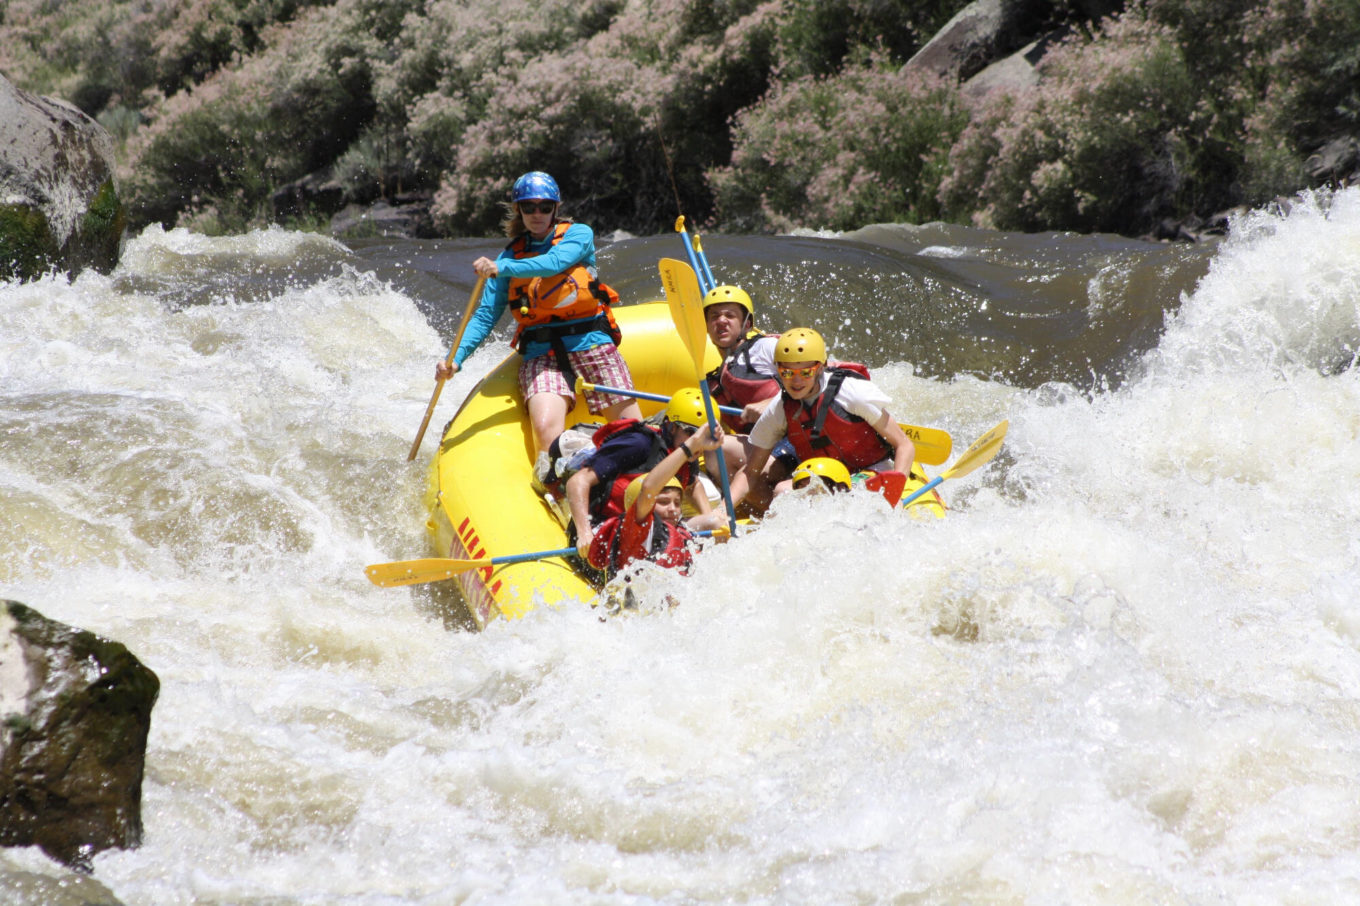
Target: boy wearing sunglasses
546,276
834,412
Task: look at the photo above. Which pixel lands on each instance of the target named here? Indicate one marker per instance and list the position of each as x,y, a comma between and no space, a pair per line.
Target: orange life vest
538,303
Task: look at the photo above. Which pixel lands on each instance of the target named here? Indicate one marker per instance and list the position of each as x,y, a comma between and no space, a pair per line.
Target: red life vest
822,427
737,383
606,500
659,541
538,303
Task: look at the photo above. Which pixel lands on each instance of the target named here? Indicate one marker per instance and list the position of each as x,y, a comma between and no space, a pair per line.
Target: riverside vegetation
758,114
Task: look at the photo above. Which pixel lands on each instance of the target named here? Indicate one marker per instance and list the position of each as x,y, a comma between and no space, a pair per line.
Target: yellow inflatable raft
479,497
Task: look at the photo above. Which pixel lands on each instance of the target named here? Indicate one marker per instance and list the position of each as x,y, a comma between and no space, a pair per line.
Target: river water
1125,669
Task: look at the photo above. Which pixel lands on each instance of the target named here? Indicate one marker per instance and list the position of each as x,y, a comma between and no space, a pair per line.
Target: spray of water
1123,669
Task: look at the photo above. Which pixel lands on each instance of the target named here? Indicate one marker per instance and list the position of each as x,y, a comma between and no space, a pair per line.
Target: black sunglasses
543,207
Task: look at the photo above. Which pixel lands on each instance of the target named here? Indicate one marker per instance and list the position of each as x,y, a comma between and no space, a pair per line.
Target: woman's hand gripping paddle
687,311
439,383
979,454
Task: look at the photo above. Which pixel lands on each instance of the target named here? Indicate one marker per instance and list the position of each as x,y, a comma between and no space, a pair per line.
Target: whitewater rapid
1125,669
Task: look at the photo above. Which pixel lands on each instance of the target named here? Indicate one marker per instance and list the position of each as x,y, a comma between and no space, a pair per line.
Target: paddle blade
890,484
980,453
687,307
932,445
417,572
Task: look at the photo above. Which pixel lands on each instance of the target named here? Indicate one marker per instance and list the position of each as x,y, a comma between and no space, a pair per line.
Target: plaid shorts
597,365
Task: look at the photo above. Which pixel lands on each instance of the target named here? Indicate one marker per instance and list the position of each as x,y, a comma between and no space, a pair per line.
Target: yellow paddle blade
417,572
980,453
932,445
687,307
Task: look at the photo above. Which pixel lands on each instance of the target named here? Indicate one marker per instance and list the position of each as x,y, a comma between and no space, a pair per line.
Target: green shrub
816,37
1107,142
27,246
861,147
1304,62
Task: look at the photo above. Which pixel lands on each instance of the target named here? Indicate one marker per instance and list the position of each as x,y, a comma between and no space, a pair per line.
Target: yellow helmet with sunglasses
831,470
802,344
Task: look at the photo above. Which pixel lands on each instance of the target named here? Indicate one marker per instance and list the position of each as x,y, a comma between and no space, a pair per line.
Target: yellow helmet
802,344
687,407
721,294
825,467
630,493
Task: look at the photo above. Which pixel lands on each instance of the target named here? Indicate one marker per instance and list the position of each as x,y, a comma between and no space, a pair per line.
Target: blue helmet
535,184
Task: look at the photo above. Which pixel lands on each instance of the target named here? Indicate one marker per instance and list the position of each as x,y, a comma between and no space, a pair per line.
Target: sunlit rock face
59,205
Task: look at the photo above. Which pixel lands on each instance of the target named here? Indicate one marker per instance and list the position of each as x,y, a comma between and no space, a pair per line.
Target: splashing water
1123,670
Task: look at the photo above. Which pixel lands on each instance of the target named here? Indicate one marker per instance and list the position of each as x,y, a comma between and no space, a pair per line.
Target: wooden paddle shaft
439,383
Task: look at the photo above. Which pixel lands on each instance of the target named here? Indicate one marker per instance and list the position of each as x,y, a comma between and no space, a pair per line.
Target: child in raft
650,527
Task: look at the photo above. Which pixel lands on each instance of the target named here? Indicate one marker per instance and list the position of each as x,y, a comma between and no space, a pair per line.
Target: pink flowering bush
1175,107
1106,140
604,114
861,147
743,114
284,112
1305,61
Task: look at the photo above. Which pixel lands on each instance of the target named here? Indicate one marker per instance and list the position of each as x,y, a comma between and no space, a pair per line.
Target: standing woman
546,276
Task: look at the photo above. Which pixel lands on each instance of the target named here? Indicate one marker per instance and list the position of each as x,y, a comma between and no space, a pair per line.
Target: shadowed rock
76,711
982,32
994,45
59,205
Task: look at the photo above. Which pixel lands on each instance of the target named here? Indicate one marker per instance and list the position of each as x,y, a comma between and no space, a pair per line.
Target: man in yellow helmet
627,448
823,411
746,378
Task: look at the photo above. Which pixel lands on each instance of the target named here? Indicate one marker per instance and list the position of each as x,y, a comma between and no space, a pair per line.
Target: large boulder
1013,75
59,204
76,711
1336,163
993,45
981,33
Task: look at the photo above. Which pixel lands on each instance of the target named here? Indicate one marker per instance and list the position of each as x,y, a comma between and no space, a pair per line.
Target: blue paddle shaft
539,555
699,263
922,489
725,410
561,552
